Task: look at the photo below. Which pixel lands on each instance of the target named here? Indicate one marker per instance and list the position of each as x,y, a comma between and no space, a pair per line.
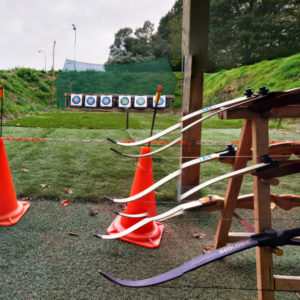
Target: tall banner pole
1,97
157,97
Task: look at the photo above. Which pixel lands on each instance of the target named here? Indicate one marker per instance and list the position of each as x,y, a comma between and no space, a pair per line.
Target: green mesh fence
132,79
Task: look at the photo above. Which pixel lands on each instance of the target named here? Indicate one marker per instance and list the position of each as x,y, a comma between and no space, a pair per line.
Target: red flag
2,90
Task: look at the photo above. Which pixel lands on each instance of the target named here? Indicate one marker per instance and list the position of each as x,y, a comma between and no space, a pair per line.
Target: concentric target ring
106,101
76,99
90,100
124,101
140,101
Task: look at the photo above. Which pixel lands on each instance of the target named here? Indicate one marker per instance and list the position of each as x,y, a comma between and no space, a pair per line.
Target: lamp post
42,51
74,28
53,54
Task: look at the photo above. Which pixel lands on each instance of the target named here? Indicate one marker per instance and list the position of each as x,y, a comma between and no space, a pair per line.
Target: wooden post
195,44
262,211
234,185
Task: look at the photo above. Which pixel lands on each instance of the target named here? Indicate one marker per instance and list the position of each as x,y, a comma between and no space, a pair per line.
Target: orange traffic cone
11,210
150,234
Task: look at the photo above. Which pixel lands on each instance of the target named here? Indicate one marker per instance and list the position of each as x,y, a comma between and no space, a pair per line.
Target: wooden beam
234,186
291,111
262,211
287,283
195,44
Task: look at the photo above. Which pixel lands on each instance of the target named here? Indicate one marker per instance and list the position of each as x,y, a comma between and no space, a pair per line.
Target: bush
28,75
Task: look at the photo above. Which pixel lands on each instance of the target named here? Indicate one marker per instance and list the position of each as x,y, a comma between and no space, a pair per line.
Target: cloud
32,25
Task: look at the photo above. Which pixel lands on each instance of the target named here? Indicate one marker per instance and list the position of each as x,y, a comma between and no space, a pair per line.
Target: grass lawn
40,260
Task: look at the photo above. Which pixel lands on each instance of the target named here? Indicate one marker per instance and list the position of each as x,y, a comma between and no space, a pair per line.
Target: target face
140,101
161,102
76,100
124,101
106,101
90,101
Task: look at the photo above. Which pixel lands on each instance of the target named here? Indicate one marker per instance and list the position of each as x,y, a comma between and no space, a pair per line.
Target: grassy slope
277,75
26,91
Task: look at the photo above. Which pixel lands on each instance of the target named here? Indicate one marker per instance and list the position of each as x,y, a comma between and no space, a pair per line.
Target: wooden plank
239,113
287,283
195,44
234,185
262,211
291,111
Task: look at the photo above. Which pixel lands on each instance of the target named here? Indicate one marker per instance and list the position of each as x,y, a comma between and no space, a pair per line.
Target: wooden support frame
195,45
255,135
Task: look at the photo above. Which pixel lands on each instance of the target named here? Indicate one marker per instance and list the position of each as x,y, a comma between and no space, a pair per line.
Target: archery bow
181,207
195,189
174,127
209,203
277,151
264,170
228,152
248,93
269,238
266,100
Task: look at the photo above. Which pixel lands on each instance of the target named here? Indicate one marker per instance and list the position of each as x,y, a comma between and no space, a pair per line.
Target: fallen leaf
93,212
69,191
123,206
25,170
65,202
43,185
26,198
208,249
199,235
73,234
273,205
298,296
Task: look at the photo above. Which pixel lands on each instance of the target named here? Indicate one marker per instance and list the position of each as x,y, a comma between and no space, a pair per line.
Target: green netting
133,79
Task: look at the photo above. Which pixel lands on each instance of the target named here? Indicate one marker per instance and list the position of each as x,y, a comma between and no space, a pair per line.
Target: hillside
29,91
277,75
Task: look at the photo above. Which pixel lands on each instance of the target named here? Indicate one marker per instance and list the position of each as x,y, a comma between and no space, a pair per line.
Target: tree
129,48
247,31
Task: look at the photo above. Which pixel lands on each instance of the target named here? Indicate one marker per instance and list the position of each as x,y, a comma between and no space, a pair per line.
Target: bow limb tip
111,140
116,151
106,275
109,198
98,236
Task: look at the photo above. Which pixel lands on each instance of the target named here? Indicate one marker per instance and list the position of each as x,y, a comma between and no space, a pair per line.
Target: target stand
254,140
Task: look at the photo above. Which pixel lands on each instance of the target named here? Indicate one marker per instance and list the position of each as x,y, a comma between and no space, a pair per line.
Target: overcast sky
31,25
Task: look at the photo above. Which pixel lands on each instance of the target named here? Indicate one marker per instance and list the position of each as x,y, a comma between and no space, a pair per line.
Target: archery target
140,101
76,100
124,101
90,101
161,102
106,101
